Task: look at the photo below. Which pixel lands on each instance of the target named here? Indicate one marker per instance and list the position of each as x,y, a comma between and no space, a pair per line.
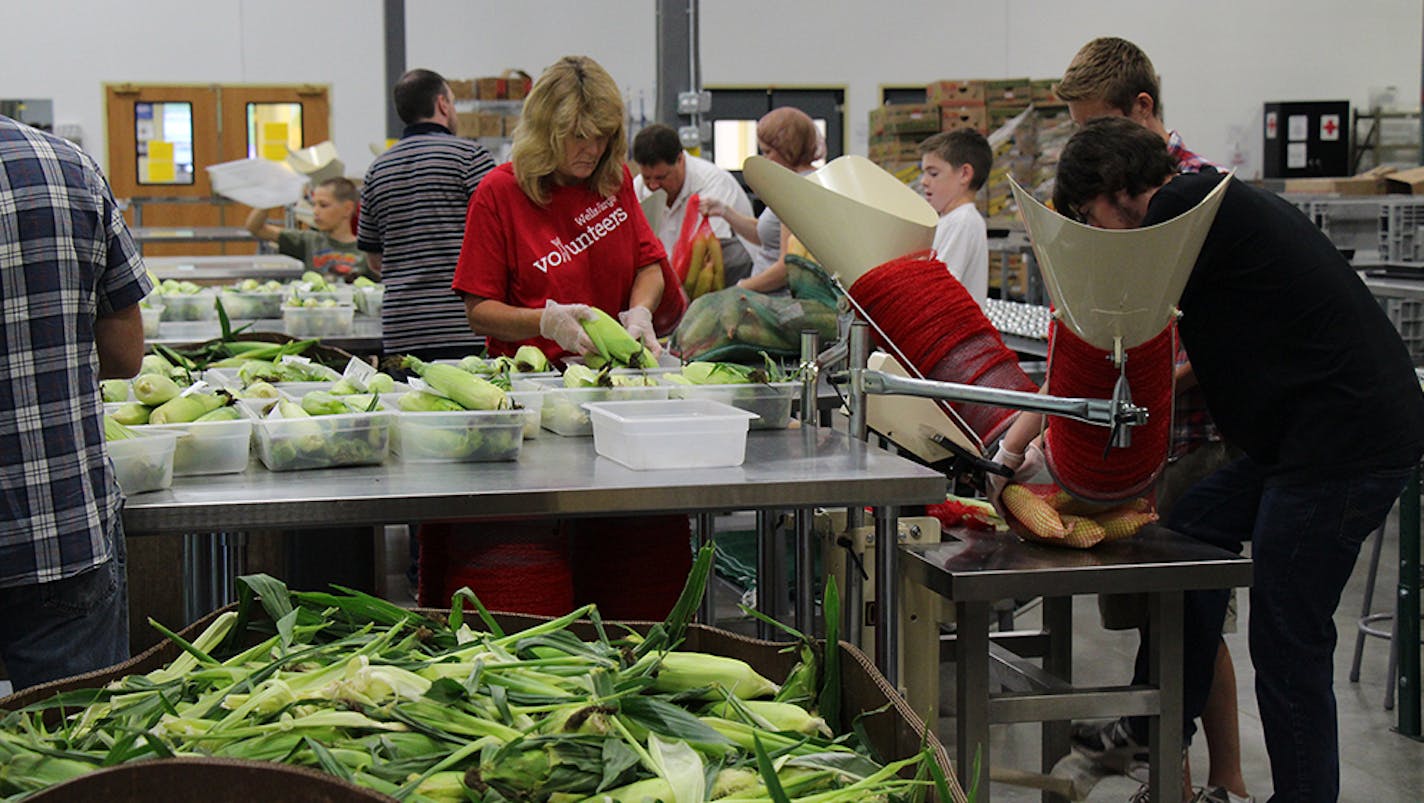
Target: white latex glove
712,207
1025,467
639,323
560,323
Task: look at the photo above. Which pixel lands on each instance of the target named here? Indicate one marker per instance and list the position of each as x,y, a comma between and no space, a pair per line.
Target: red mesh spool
1075,449
632,567
940,328
517,567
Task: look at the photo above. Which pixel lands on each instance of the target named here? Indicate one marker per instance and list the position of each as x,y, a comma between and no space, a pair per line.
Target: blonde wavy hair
575,97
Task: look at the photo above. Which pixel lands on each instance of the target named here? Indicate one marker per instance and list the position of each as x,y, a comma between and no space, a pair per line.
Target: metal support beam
675,47
394,15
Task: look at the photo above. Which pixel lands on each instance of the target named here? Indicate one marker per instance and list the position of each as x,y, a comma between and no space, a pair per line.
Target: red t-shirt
580,249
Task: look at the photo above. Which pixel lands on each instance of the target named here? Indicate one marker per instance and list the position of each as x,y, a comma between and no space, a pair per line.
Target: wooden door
224,123
160,139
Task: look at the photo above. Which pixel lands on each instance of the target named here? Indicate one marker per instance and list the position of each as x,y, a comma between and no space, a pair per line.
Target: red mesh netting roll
1074,449
940,328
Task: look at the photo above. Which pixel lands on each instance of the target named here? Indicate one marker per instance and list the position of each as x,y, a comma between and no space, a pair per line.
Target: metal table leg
971,696
707,610
887,597
1406,612
1165,672
766,582
805,610
1057,661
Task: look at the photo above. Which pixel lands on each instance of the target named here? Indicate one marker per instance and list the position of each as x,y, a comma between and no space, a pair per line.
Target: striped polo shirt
413,207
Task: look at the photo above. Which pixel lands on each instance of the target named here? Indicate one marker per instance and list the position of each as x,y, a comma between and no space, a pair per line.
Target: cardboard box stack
476,116
1013,136
1008,273
896,132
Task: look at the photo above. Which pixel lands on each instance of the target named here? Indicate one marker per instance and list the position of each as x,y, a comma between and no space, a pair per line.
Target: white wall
1220,59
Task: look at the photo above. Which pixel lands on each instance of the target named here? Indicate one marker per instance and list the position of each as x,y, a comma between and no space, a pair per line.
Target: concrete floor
1377,764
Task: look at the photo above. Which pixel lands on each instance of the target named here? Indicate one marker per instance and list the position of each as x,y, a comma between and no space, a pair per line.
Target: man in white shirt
663,165
955,165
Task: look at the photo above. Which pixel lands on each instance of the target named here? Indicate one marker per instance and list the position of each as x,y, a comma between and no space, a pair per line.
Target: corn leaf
681,766
768,774
829,704
446,690
659,716
618,758
670,631
457,612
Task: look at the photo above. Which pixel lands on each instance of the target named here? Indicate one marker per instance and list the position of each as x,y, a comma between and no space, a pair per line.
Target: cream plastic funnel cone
318,163
851,214
1109,285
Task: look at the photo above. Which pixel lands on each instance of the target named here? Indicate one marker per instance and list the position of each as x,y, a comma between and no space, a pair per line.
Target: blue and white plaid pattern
66,258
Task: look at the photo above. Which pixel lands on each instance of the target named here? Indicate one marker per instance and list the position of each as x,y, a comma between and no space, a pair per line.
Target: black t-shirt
1298,363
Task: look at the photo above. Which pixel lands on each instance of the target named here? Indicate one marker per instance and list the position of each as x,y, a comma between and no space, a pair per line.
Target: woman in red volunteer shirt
558,230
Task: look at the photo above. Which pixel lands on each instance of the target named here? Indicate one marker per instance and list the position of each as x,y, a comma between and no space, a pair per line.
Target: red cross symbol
1330,127
1271,126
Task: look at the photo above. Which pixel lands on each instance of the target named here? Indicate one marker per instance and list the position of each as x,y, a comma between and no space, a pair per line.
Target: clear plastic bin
211,447
229,378
771,401
250,306
532,404
340,293
318,321
369,300
563,413
655,434
323,441
189,307
470,436
152,315
145,462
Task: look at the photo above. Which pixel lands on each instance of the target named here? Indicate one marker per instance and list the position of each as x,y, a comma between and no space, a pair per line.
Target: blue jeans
67,627
1304,542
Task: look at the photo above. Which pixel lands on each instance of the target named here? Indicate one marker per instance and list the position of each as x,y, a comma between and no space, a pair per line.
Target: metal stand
707,609
211,564
1406,620
805,613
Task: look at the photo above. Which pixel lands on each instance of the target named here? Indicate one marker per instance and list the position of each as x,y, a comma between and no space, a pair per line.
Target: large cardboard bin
894,731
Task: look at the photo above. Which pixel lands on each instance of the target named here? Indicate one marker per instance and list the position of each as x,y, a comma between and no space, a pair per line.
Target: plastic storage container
152,315
323,441
229,378
369,300
189,307
211,447
674,433
144,463
251,306
470,436
771,401
532,404
563,413
340,293
1407,315
318,321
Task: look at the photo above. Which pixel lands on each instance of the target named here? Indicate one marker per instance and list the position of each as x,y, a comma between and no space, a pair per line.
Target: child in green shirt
329,249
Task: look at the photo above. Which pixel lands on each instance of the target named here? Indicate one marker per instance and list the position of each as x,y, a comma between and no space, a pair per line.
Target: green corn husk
180,410
418,401
343,387
155,389
319,402
469,391
115,431
380,382
530,359
114,390
261,390
154,364
228,413
711,675
133,414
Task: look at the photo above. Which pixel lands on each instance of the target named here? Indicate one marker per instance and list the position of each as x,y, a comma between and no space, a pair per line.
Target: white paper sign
1297,127
1329,127
358,373
1295,155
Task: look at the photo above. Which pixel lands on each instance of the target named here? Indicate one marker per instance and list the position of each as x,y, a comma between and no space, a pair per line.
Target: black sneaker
1142,795
1219,794
1110,745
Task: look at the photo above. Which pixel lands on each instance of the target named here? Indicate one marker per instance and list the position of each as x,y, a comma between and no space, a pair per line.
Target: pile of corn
424,709
1059,519
612,344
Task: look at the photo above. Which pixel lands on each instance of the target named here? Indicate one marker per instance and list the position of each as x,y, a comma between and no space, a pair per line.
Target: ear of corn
380,382
133,414
319,402
181,410
155,389
776,716
612,341
1124,523
692,671
421,402
228,413
469,391
261,390
1083,532
114,431
114,390
154,364
530,359
1033,512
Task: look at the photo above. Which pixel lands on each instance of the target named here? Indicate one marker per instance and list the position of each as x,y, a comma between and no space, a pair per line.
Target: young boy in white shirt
955,165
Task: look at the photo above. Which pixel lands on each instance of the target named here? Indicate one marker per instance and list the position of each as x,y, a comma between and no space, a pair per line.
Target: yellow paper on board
274,142
160,162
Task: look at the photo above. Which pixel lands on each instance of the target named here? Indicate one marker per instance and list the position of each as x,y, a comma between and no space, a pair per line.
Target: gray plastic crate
1401,231
1352,224
1407,315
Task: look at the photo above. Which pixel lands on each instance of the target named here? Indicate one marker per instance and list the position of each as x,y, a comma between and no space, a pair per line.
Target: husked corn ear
133,414
418,401
530,359
613,341
1124,522
155,389
686,671
114,431
469,391
780,716
184,409
1083,532
1033,512
1064,502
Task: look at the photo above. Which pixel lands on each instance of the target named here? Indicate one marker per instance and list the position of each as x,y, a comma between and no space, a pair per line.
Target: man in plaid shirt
70,282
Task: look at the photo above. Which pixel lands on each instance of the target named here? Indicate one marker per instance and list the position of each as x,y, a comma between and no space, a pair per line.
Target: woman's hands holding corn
561,324
1025,466
639,323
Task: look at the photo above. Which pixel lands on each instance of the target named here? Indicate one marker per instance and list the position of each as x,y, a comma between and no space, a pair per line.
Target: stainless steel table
554,476
219,268
190,234
365,337
975,569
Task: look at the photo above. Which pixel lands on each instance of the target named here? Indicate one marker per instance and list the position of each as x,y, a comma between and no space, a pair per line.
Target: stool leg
1393,664
1365,608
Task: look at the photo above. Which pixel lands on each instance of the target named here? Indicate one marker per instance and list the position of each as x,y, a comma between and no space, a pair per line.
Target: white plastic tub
323,441
244,305
668,434
211,447
318,321
469,436
152,316
532,404
144,463
771,401
563,410
369,300
188,306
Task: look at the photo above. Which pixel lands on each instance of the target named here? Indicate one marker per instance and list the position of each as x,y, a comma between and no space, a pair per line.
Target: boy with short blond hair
955,165
329,248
